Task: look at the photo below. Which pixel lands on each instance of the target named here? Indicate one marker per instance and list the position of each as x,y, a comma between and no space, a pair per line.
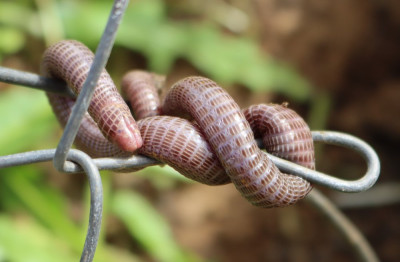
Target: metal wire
47,84
329,137
83,162
96,203
72,160
353,236
87,165
63,151
335,138
339,139
82,103
384,194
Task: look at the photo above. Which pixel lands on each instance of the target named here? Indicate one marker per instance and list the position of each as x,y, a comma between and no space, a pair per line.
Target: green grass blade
24,240
147,226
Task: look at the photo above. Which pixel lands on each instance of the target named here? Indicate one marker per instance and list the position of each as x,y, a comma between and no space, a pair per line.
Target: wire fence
69,160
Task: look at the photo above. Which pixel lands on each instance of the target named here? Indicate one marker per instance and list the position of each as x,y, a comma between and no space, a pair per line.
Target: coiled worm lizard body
217,148
71,61
230,136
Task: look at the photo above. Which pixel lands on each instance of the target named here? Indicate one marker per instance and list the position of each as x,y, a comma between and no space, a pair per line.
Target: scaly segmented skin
141,89
180,144
284,133
89,137
172,140
231,138
71,61
217,149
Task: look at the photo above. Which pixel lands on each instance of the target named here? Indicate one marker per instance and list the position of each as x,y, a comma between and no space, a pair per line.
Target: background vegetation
256,51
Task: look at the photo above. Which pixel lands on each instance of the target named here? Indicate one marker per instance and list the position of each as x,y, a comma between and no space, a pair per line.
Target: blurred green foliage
34,220
148,227
147,29
27,122
225,59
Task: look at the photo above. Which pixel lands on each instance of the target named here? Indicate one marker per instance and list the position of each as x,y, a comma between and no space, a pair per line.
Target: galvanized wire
382,194
82,103
47,84
72,160
335,138
87,165
96,202
344,140
354,237
63,151
328,137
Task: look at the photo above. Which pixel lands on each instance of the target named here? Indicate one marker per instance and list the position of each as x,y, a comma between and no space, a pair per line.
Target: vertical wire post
102,54
355,238
96,189
96,203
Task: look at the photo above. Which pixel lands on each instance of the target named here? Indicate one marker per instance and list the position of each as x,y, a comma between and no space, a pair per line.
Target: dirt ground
349,51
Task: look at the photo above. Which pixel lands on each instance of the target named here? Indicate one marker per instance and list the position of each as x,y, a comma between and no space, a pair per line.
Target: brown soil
348,50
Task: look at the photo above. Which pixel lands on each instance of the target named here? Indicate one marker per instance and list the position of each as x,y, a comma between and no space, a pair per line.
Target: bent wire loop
64,151
137,161
101,56
85,164
329,137
70,160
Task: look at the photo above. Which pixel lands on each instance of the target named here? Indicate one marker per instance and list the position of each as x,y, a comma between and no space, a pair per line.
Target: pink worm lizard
218,147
